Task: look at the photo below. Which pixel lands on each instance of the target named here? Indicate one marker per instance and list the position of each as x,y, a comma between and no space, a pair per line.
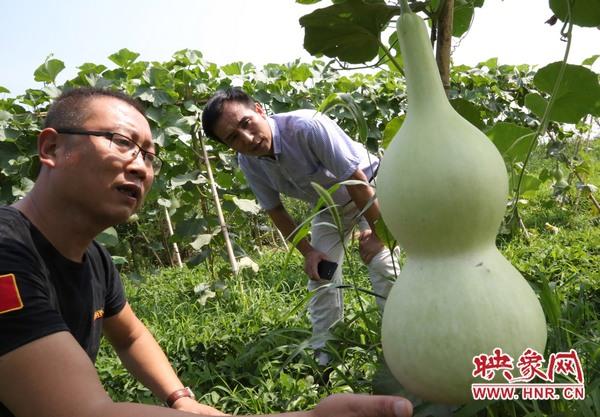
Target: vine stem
387,52
546,117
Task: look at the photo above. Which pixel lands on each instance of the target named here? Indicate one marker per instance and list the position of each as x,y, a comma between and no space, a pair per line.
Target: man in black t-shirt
59,290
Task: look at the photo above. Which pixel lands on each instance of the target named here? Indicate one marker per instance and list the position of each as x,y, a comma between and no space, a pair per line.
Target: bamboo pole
171,233
213,187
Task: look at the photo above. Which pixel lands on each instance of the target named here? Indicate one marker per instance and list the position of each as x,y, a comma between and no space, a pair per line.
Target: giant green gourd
442,188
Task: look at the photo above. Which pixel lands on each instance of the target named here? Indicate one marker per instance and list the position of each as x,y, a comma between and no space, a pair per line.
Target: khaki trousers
326,307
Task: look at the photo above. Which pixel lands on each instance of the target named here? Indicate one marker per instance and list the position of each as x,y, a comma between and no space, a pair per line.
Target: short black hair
69,109
214,108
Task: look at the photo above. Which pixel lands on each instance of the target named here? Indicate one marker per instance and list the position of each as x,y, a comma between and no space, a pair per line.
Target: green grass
245,350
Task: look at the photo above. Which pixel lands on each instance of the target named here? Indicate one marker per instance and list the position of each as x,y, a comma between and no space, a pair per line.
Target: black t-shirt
42,292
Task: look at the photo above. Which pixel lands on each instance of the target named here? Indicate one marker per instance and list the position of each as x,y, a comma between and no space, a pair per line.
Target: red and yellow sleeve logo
10,298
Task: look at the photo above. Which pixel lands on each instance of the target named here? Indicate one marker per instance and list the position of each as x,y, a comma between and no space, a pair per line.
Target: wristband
177,394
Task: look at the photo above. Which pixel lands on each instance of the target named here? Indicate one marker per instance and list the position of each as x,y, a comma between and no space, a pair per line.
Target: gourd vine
543,126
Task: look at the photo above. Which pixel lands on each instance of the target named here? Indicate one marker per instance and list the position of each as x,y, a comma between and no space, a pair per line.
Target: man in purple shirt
285,153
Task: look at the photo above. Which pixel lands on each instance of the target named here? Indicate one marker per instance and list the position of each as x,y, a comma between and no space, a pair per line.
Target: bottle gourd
442,189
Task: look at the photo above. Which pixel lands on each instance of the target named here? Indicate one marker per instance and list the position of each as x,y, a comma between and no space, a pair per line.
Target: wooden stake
213,187
171,233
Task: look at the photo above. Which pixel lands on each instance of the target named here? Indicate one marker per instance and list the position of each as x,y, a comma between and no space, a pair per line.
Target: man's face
108,185
245,129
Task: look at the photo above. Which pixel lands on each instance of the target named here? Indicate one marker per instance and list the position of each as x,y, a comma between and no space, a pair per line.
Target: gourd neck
425,90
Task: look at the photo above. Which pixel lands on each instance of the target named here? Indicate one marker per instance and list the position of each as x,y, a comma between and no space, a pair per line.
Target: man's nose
139,166
248,137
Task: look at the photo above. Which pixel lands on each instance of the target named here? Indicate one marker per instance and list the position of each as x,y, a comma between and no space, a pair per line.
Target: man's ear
47,146
260,110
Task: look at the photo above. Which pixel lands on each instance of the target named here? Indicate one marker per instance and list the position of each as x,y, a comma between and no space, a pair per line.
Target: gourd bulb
442,188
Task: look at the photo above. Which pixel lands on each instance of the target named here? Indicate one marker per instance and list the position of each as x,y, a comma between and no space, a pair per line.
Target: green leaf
307,1
4,116
394,50
349,31
513,141
201,241
577,96
164,202
391,129
8,152
224,179
245,262
108,237
124,58
530,184
469,111
300,73
463,16
190,227
48,71
346,101
434,5
188,56
550,301
4,90
384,234
24,186
247,206
158,77
155,96
325,196
591,60
536,103
235,68
91,68
119,260
583,12
195,177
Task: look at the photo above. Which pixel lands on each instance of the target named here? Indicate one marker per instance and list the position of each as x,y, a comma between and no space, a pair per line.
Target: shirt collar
276,136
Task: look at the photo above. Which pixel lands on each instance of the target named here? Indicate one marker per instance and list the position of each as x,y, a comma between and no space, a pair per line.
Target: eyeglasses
123,145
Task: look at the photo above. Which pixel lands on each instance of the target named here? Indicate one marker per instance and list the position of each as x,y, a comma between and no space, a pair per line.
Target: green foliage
582,12
349,30
174,92
577,96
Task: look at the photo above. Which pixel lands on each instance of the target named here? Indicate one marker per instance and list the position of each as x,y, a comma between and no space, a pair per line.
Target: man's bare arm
286,224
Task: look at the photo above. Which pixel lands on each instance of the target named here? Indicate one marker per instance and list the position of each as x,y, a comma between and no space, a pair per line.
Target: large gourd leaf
349,31
513,141
469,111
583,12
461,21
578,95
